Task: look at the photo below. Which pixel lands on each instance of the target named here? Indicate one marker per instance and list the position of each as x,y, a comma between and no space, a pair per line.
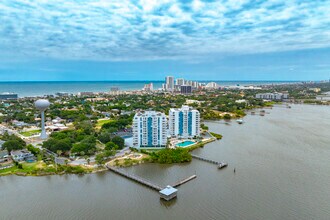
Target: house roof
3,153
19,152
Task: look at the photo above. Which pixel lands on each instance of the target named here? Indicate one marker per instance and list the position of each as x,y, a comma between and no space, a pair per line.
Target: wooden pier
184,181
219,164
135,178
146,182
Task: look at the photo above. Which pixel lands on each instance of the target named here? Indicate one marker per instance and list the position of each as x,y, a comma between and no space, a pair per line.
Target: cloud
118,30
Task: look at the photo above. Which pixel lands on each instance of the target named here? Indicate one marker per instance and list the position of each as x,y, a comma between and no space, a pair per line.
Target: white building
272,96
180,82
149,129
184,122
148,87
212,85
324,97
169,83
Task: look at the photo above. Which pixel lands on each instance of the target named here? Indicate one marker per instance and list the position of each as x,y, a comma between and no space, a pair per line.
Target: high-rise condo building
148,87
185,89
180,82
149,129
184,122
169,81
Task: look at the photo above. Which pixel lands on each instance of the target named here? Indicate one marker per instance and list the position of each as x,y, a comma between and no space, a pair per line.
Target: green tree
119,141
33,150
54,145
12,145
111,146
104,137
99,159
227,116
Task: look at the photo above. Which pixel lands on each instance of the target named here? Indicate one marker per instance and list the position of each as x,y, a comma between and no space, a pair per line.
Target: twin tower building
151,128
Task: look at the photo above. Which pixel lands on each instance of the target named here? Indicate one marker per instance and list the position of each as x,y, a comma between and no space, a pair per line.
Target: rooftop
168,191
19,152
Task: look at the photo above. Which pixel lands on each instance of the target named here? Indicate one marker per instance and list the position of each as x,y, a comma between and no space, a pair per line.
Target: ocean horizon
41,88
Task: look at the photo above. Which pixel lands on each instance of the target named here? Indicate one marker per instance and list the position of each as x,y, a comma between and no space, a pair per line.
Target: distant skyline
97,40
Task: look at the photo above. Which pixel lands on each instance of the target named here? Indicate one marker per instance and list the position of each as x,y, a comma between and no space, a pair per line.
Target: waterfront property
21,155
8,96
4,156
272,96
184,122
149,129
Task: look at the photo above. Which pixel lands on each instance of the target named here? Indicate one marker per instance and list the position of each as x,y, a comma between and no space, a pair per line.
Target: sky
81,40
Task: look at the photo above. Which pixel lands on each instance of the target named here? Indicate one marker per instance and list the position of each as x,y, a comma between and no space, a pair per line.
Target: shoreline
103,167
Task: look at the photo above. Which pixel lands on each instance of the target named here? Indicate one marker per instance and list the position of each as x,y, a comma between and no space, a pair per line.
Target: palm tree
87,159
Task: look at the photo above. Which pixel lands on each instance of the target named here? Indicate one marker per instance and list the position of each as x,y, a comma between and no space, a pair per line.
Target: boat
240,121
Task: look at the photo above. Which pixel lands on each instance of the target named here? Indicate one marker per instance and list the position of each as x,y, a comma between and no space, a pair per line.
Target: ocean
29,89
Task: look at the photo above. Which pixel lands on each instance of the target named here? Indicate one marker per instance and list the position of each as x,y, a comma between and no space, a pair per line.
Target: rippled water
282,163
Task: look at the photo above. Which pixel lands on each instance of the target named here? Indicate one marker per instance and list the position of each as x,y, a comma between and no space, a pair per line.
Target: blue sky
148,39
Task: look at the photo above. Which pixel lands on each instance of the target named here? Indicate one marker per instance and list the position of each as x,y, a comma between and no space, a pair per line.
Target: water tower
42,105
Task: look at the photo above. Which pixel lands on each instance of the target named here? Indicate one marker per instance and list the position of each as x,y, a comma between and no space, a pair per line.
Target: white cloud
159,29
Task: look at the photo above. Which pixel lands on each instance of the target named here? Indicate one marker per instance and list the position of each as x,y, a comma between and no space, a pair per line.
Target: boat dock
167,193
135,178
219,164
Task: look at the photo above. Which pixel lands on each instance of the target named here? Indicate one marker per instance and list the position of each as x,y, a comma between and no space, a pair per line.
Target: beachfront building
169,83
184,122
149,129
8,96
148,87
180,82
212,86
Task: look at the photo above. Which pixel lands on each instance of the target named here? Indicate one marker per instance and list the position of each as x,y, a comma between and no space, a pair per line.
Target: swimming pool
185,143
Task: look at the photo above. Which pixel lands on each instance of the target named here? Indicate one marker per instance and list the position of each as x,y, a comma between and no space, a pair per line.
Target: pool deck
185,143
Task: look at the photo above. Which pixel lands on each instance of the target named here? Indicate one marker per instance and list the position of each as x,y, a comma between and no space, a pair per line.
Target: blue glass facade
190,123
180,123
149,131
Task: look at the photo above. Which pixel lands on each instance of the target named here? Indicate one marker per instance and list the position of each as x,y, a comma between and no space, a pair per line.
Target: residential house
21,155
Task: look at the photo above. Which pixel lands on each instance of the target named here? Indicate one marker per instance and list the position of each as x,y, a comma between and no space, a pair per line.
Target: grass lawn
40,168
101,122
8,171
28,167
30,133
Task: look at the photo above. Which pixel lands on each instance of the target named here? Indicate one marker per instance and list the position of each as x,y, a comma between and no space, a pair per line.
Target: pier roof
169,190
